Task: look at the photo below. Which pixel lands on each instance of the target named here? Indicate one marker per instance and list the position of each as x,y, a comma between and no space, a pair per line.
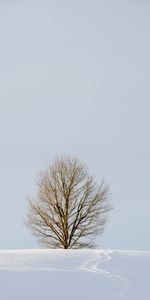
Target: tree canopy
70,209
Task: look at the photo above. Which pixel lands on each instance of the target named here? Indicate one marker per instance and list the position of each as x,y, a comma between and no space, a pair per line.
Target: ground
74,274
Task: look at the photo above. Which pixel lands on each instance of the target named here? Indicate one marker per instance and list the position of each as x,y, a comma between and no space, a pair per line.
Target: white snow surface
74,274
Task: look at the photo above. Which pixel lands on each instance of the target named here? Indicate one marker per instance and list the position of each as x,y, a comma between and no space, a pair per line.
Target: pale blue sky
74,79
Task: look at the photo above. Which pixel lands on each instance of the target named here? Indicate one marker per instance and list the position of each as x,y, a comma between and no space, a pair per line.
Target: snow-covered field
74,274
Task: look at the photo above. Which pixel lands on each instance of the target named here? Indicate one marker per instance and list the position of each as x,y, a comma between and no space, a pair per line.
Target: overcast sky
74,79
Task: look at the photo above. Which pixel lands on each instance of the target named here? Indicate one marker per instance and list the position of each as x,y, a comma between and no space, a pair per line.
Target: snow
74,274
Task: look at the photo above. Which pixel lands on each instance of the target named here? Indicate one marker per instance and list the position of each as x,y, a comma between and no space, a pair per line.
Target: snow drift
74,274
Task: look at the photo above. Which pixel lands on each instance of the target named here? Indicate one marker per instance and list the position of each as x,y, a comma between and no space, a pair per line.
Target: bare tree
71,208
